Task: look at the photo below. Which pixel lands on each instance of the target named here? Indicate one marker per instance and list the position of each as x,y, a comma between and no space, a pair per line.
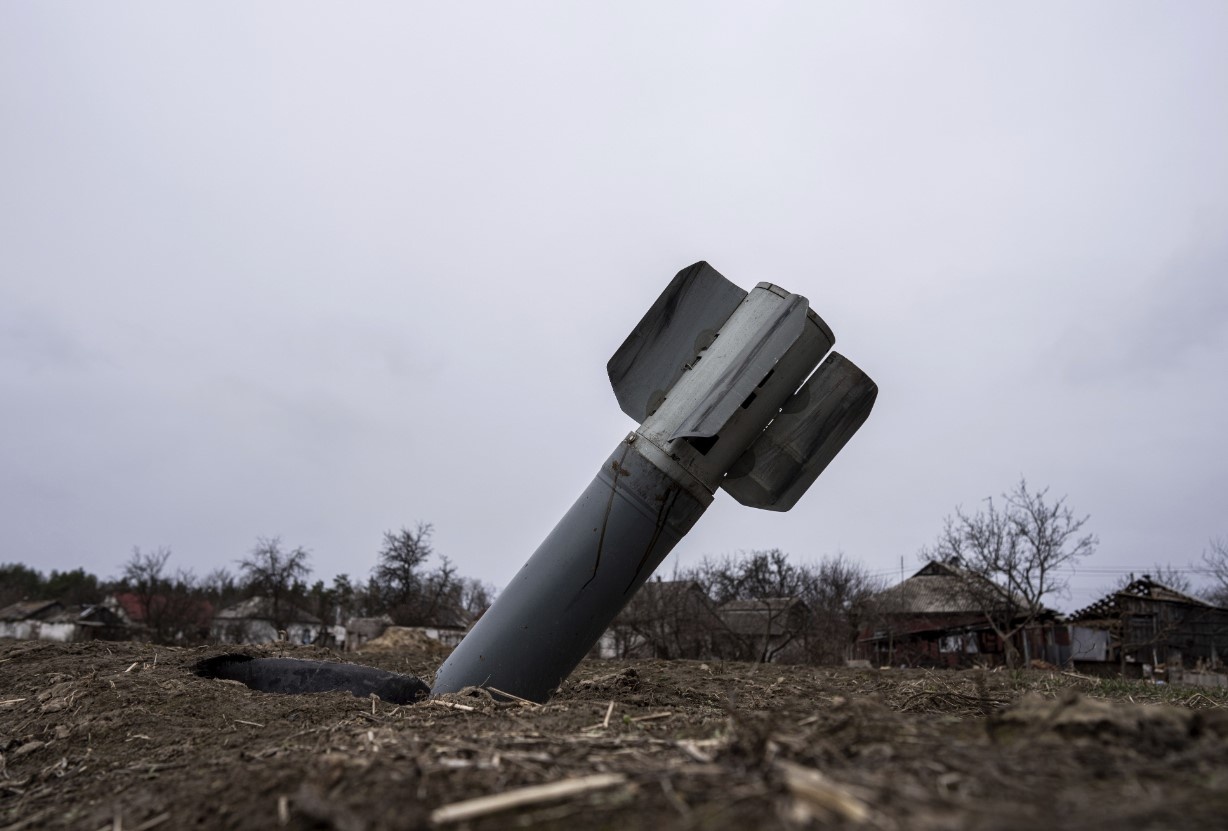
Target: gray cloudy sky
323,270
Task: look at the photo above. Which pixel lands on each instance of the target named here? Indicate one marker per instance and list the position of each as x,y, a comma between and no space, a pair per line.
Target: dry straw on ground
103,735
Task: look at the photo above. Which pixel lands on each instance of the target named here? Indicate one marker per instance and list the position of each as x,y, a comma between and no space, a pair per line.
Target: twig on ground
498,691
486,805
819,795
154,822
1079,675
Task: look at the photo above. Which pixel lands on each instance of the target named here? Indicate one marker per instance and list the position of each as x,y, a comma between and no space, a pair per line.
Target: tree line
411,583
1013,554
758,606
1008,560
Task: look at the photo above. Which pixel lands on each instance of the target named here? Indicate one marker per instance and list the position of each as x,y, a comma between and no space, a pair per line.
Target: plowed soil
126,736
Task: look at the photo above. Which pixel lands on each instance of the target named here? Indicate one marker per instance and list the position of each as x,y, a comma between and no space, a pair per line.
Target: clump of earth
125,735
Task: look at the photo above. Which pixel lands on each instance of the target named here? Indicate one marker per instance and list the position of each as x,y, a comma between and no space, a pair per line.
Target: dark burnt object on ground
292,675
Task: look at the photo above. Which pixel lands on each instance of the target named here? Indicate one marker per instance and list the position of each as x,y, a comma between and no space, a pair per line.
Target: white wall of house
1087,644
448,637
16,629
237,630
40,630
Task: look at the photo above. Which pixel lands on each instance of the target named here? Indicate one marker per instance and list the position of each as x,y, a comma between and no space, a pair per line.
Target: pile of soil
125,735
405,640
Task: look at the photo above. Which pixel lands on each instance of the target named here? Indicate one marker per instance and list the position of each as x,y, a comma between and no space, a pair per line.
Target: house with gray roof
764,629
260,620
664,619
940,617
51,620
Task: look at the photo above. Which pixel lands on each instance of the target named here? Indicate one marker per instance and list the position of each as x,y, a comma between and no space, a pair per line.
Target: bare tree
276,574
168,603
144,575
440,598
221,587
1215,561
406,590
842,604
667,619
475,597
752,576
757,607
1012,556
819,609
398,575
756,623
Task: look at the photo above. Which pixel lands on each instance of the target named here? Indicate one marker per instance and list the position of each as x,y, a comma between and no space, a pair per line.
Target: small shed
764,629
664,619
360,630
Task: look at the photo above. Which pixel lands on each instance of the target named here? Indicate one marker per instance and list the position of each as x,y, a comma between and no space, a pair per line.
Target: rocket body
561,601
722,382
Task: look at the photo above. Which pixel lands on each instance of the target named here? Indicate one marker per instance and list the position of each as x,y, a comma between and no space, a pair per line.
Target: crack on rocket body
667,504
619,470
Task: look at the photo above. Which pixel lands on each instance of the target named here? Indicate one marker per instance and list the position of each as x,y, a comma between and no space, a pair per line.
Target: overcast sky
322,271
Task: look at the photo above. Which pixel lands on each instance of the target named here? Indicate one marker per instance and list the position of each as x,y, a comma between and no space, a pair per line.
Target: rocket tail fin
813,426
681,324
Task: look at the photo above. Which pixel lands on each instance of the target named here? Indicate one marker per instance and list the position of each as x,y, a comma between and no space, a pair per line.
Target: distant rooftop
1112,605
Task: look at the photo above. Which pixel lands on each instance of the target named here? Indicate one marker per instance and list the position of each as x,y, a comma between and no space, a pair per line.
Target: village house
940,617
258,620
359,630
1147,626
664,619
161,617
765,629
51,620
447,625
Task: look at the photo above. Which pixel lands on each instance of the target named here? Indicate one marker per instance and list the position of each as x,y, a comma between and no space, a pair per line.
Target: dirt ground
125,736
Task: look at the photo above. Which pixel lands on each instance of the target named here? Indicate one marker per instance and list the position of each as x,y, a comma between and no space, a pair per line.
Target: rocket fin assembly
813,426
739,378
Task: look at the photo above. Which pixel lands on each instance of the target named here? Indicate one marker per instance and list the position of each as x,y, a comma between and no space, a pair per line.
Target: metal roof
939,589
772,615
261,608
26,609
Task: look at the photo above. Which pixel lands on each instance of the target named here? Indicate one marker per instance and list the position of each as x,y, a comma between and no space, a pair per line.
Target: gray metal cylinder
580,577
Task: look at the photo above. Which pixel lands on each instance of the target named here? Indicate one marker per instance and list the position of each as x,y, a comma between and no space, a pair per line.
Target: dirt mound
126,735
1153,730
406,640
